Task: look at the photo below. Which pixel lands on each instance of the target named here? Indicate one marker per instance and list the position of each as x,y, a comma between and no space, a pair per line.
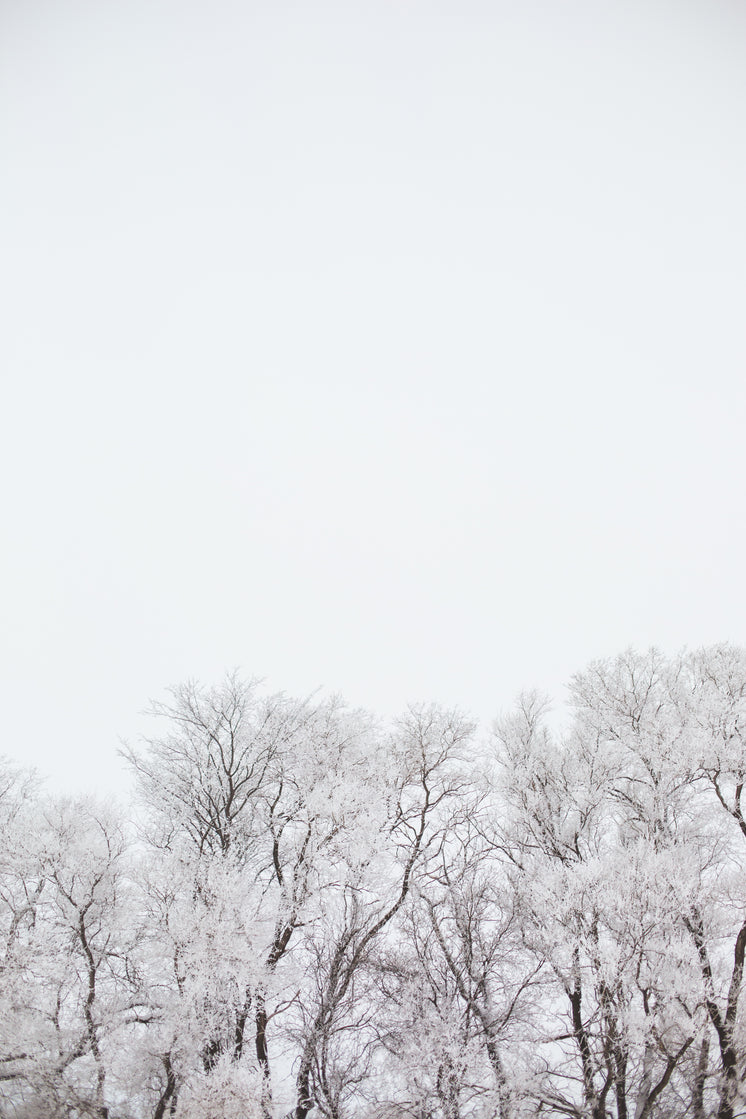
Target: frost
309,911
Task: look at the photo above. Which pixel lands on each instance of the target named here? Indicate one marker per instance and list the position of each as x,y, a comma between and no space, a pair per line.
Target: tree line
310,911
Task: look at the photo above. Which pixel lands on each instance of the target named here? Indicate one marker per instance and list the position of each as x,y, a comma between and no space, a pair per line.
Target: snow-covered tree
312,912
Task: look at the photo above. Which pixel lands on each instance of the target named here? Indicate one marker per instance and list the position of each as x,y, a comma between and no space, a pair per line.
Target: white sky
394,347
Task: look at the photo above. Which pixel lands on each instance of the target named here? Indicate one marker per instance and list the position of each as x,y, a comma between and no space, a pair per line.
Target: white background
392,347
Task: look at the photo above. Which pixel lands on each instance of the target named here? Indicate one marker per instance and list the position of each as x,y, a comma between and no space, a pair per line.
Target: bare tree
252,796
321,913
425,764
66,960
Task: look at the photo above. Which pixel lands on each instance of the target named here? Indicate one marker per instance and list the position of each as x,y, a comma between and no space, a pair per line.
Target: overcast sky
393,347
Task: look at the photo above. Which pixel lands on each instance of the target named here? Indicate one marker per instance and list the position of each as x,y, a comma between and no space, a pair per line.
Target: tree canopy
310,910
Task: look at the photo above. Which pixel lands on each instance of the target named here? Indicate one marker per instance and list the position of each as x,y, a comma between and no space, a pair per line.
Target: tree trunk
698,1091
